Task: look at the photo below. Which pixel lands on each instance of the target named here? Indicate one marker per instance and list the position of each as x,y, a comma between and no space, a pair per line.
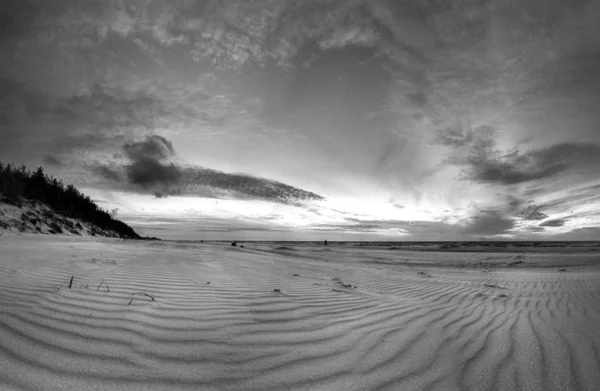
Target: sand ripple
207,317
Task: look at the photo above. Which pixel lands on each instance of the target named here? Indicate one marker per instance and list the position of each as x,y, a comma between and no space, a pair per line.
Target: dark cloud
16,18
166,193
527,212
347,227
240,186
475,150
535,229
455,136
554,223
154,147
533,214
505,173
108,174
52,161
489,223
150,170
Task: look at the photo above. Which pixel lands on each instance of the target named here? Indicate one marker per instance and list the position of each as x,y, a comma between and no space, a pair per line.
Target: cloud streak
475,150
151,170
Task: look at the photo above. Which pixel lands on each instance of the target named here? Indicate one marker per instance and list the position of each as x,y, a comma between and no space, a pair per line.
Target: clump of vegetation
17,183
55,228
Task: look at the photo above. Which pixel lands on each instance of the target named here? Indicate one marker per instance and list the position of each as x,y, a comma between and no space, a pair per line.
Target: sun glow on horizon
347,214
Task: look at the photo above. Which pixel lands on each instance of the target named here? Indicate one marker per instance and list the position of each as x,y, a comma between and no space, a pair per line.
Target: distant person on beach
326,242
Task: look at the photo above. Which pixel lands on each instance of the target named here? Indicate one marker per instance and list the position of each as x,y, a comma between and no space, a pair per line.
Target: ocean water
419,246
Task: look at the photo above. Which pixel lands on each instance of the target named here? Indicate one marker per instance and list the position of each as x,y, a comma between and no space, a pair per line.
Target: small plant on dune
55,227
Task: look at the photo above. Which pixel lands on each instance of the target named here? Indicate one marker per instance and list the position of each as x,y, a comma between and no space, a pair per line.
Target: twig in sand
99,285
141,293
71,282
494,286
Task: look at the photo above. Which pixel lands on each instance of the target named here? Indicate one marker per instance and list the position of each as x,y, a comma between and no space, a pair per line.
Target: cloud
584,233
535,229
532,213
80,127
16,19
153,147
553,223
347,227
475,150
112,107
150,169
572,200
341,37
52,161
107,174
199,180
488,223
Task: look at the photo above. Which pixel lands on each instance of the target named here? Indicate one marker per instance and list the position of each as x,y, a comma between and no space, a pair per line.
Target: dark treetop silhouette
66,200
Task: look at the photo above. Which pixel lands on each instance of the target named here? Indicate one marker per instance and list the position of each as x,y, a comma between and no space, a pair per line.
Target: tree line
18,182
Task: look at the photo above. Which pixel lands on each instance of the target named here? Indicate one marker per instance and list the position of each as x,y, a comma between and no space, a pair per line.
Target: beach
111,314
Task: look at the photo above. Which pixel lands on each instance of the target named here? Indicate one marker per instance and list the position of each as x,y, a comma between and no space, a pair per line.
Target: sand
174,316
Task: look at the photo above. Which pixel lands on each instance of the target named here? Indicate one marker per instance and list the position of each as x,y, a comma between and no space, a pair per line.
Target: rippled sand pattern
164,316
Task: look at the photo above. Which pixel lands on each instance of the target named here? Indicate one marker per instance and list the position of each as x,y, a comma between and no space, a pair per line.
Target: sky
315,119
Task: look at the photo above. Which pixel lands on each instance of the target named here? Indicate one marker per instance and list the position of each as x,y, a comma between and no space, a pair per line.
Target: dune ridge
217,323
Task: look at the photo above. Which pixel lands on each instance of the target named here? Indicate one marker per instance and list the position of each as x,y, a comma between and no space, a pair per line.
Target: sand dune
157,316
